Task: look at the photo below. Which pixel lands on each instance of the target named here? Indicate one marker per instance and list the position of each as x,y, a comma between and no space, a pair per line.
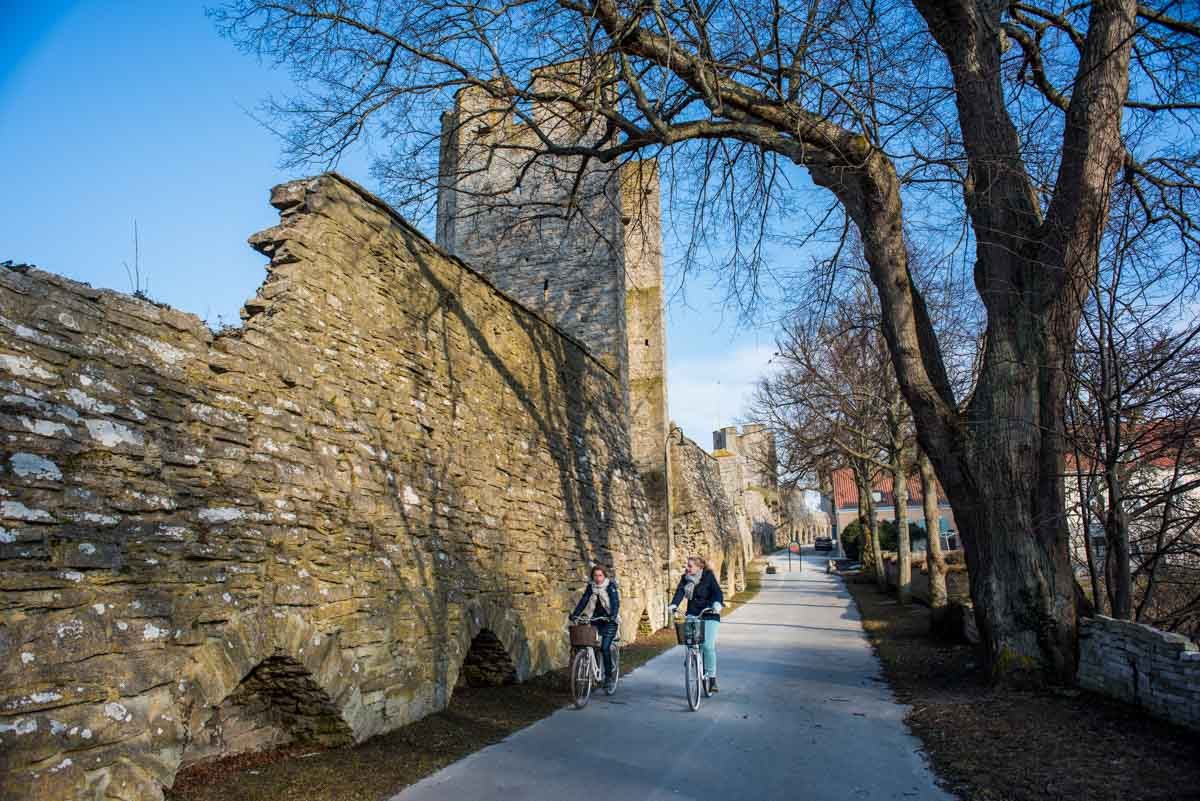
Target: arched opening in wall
278,703
487,663
645,627
724,574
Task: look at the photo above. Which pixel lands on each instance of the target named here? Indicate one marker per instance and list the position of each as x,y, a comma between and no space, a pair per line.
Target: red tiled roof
845,492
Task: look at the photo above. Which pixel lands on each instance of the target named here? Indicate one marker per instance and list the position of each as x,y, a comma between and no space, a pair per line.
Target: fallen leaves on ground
991,744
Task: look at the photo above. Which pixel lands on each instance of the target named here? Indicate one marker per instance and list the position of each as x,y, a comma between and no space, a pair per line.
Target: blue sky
112,112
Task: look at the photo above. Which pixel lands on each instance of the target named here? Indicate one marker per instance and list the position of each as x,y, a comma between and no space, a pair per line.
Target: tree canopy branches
994,133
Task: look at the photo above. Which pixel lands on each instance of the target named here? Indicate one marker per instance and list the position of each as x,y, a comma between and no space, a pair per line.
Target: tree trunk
935,561
1116,525
903,543
876,545
1000,461
1084,489
1116,557
1012,519
866,512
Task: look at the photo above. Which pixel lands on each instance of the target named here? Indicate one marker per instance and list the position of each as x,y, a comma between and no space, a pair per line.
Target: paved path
802,714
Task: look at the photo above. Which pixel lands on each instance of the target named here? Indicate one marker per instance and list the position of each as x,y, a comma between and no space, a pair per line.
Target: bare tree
936,561
899,450
824,404
1016,119
1135,419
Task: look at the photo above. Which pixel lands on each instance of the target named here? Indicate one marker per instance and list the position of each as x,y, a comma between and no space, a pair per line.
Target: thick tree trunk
1012,515
935,561
903,543
1001,462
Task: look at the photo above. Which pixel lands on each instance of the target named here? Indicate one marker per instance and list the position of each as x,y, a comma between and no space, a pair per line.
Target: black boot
712,685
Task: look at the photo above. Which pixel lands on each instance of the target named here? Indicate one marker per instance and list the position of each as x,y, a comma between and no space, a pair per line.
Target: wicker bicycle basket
584,635
689,632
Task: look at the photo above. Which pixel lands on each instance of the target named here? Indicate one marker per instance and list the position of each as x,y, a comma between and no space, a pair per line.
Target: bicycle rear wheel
611,687
581,678
692,672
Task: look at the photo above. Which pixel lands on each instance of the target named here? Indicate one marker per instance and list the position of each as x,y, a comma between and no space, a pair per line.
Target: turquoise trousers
709,648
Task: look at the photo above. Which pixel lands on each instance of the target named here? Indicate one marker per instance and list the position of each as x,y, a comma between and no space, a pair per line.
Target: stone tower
579,243
749,467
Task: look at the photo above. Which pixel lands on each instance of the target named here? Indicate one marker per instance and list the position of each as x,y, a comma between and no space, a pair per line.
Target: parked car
823,544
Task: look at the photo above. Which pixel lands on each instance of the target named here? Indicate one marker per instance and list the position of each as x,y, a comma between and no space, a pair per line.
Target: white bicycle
585,661
689,632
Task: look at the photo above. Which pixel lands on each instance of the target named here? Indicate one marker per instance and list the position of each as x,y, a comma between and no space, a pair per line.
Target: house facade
842,504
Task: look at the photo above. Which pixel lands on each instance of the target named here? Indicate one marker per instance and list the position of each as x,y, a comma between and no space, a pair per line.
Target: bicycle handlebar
697,617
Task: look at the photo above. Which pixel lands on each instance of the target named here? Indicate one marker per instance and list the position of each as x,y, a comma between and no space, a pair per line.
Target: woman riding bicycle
705,599
601,600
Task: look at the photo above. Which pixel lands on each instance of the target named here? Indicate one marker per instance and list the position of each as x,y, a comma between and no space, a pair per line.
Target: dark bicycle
586,668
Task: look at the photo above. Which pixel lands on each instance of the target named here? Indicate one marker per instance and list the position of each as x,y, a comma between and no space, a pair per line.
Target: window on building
1099,541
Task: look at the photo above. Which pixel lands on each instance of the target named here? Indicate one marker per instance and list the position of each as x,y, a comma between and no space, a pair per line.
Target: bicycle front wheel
581,678
691,669
611,687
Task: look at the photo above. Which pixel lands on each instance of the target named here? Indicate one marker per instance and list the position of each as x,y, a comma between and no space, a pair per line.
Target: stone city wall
295,530
1135,663
705,519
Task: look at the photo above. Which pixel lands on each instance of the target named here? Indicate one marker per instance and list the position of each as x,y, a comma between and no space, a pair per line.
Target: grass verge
990,744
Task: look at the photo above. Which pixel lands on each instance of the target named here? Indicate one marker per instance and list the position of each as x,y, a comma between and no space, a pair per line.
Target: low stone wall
295,530
1135,663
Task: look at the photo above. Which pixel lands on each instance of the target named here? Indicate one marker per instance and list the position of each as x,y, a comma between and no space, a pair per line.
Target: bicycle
690,633
585,661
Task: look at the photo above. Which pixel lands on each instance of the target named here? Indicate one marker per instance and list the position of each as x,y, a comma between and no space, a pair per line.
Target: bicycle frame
693,660
594,671
595,663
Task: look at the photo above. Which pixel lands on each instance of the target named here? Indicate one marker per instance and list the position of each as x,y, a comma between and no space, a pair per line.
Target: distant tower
756,444
580,245
749,467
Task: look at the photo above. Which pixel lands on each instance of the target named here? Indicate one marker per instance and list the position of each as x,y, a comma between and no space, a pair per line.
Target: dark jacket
707,593
614,602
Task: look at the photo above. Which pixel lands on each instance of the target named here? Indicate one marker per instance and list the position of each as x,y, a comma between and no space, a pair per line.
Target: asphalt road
803,713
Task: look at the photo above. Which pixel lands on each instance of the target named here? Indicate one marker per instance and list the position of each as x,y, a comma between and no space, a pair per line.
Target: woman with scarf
601,599
704,595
